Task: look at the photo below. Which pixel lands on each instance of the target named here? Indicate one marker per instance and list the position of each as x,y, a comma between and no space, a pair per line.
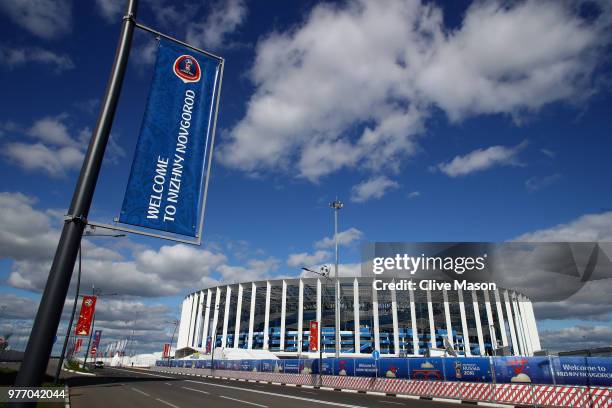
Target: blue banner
472,369
165,188
526,370
586,371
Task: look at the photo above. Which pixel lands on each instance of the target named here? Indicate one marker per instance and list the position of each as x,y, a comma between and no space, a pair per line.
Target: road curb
377,393
77,372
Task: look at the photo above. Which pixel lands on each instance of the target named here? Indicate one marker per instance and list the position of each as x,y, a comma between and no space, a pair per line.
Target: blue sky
432,122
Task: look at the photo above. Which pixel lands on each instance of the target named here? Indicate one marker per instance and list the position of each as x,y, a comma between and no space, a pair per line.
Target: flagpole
49,311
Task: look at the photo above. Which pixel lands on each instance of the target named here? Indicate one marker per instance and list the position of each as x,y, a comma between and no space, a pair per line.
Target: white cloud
224,19
306,259
482,159
256,269
373,188
538,183
414,194
576,338
345,238
51,130
26,233
13,58
53,161
353,85
48,19
587,228
29,238
55,152
110,9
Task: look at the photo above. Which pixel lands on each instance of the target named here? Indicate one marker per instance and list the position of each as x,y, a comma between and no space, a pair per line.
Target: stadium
274,315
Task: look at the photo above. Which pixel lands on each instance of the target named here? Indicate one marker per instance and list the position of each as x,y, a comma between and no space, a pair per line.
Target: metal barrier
559,396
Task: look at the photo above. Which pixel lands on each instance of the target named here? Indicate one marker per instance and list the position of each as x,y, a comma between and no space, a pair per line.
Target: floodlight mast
336,205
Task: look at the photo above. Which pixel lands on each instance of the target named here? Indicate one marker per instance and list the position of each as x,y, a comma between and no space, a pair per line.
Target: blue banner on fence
534,370
426,369
393,368
591,371
472,369
582,370
165,188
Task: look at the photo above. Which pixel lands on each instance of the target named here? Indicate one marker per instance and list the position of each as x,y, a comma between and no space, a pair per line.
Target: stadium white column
432,327
283,315
375,318
449,326
357,331
464,327
518,325
490,320
515,345
228,298
194,307
300,315
184,325
395,322
415,334
238,315
199,317
319,309
266,344
478,323
252,316
500,319
532,320
206,319
213,329
524,326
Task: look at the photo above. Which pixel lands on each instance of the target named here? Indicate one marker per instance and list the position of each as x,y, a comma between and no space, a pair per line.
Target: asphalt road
119,387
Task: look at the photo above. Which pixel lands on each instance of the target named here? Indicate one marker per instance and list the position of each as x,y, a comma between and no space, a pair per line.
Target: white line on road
244,402
142,392
168,384
337,404
193,389
166,402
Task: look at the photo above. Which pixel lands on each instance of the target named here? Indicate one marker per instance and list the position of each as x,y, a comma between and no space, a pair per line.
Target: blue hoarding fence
585,371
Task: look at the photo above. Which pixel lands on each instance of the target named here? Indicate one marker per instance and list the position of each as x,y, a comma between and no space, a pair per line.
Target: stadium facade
274,315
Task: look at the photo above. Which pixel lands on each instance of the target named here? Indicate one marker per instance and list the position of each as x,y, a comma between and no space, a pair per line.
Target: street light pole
52,302
175,323
74,305
336,206
93,321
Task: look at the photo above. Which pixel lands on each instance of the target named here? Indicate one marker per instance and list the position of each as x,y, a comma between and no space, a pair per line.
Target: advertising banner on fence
166,185
88,306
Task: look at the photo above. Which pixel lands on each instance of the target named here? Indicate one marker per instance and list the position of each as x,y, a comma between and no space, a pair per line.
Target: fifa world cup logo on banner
187,69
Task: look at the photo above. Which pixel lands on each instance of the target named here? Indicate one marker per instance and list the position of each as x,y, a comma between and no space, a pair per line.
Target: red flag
314,336
88,306
77,345
166,350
